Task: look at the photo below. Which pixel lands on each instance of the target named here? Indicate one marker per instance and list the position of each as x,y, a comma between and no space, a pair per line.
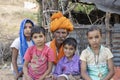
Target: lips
95,45
38,42
28,33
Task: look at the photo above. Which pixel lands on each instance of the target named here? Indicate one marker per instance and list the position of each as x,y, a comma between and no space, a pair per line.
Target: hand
50,77
71,77
18,76
41,78
28,77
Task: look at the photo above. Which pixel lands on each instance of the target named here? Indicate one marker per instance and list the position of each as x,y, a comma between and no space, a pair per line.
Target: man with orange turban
60,26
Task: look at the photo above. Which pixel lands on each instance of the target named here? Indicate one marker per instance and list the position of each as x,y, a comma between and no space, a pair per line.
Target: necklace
100,75
96,59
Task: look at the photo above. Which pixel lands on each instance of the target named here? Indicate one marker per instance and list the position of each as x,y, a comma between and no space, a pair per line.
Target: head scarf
23,42
58,21
58,55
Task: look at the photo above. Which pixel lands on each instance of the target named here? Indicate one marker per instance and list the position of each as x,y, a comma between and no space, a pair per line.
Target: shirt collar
73,59
101,48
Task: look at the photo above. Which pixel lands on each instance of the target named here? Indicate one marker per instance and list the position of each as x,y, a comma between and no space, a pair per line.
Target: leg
23,78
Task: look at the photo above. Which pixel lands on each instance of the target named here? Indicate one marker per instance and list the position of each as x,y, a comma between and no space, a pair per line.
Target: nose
60,34
94,39
67,50
28,29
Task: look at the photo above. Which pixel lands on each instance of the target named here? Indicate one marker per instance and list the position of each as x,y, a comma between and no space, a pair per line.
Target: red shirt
38,60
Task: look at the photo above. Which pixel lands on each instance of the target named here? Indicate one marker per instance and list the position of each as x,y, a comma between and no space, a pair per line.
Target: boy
68,68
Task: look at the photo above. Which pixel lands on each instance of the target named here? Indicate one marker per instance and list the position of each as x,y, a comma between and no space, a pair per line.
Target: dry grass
11,15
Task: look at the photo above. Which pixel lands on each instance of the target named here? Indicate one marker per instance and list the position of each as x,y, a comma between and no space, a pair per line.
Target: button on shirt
67,67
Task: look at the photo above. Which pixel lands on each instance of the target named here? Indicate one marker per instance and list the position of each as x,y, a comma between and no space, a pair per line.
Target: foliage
84,8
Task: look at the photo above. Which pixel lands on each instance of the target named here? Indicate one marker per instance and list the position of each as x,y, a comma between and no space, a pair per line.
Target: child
96,60
19,47
68,68
38,58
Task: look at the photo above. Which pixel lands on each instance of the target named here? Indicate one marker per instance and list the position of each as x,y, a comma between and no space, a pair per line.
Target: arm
25,70
83,71
50,64
111,70
14,63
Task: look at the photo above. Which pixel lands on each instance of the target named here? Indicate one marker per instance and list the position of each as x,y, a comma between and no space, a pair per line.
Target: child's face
94,38
27,29
39,39
69,51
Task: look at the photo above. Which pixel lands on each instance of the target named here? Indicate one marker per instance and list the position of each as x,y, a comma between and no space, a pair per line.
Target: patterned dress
96,65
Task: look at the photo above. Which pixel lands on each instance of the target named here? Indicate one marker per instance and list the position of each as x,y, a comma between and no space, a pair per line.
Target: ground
5,72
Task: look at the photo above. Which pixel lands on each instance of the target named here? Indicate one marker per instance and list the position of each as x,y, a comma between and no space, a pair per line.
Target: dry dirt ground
6,73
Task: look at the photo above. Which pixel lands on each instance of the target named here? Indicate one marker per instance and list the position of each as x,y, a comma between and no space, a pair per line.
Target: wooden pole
40,17
107,24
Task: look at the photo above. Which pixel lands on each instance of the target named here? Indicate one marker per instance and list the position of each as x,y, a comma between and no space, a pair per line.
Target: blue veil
23,42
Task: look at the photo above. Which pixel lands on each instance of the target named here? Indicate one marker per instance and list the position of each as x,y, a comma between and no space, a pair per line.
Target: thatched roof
112,6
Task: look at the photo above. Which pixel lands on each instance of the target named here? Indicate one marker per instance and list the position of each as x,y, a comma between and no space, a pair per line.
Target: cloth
23,42
93,68
38,60
16,44
111,6
57,55
76,77
58,21
68,67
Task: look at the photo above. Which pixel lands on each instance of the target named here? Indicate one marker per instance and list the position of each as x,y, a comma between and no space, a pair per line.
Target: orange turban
58,21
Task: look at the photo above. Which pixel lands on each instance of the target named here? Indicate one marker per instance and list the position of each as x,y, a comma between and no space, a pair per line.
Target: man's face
60,35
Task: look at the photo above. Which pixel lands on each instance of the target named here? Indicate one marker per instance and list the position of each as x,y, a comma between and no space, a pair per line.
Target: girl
68,68
38,58
19,47
96,60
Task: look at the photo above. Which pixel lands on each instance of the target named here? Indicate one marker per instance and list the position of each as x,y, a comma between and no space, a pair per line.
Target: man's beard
60,40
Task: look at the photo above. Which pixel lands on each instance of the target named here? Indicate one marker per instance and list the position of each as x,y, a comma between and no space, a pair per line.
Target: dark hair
92,28
38,29
29,21
70,41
